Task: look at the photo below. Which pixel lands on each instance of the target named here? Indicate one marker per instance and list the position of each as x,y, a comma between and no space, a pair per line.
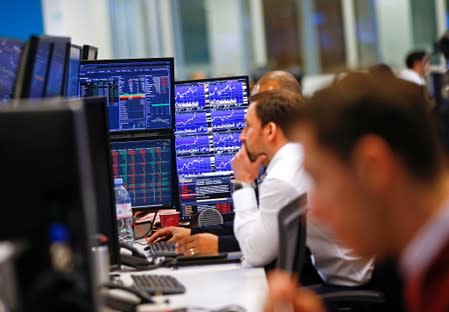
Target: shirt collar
287,149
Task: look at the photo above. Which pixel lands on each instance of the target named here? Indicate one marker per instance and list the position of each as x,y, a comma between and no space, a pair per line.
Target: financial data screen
210,114
10,53
139,92
145,167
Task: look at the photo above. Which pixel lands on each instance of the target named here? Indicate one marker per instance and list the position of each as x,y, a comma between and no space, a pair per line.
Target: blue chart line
191,123
226,93
194,165
228,119
190,96
192,145
223,162
227,142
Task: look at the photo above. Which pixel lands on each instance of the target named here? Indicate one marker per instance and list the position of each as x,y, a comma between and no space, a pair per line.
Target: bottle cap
118,181
58,233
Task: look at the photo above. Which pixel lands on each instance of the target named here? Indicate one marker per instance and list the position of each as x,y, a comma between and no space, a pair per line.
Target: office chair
292,235
292,245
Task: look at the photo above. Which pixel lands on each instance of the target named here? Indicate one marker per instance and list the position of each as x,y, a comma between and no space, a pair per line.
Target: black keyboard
162,249
158,284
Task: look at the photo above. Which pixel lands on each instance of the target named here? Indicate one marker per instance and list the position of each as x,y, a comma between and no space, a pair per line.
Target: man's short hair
278,106
414,56
285,80
362,104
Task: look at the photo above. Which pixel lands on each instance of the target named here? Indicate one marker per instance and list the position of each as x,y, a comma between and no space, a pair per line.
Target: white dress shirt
412,76
256,227
335,264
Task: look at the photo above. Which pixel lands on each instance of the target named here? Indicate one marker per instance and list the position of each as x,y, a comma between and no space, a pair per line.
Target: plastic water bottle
124,212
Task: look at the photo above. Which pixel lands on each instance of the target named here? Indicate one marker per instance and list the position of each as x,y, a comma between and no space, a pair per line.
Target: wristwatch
237,185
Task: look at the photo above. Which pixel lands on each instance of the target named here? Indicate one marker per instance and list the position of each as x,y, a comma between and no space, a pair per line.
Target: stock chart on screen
145,167
210,115
139,92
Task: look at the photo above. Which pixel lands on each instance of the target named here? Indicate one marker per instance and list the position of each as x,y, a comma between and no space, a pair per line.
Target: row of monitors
206,117
209,116
41,67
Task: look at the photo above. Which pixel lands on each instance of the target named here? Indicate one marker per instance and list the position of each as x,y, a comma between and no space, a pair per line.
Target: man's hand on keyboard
172,233
198,244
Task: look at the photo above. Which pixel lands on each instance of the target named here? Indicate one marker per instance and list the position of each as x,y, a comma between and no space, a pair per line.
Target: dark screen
47,186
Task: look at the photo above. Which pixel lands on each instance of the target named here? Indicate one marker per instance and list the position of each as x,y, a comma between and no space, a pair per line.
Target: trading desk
211,287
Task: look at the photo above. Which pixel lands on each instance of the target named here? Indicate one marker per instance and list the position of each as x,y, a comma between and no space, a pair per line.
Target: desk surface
212,287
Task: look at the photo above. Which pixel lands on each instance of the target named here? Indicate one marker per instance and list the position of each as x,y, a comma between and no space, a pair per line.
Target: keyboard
161,249
158,284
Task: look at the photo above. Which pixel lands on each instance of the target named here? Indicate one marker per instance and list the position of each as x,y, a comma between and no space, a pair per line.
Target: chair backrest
292,235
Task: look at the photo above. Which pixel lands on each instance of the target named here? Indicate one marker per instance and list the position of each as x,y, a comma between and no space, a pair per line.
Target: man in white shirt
264,144
418,64
255,225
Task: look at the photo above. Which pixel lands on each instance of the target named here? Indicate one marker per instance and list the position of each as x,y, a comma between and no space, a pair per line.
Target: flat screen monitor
48,196
72,85
57,66
32,75
10,54
101,163
209,118
139,92
146,166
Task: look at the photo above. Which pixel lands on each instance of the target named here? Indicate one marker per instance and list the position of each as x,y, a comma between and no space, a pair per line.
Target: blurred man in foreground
380,183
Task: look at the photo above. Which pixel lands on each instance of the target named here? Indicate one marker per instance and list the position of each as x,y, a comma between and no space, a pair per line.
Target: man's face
252,134
424,66
341,200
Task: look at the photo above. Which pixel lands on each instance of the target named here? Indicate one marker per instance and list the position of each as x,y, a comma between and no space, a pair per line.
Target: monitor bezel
175,202
135,133
66,82
54,40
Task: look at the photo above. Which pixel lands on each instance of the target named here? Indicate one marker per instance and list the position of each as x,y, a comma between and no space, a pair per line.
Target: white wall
227,45
85,21
394,30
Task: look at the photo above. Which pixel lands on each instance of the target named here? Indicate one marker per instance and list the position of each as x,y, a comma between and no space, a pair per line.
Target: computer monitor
209,118
48,203
10,53
101,163
139,92
72,84
34,64
147,168
89,53
57,71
